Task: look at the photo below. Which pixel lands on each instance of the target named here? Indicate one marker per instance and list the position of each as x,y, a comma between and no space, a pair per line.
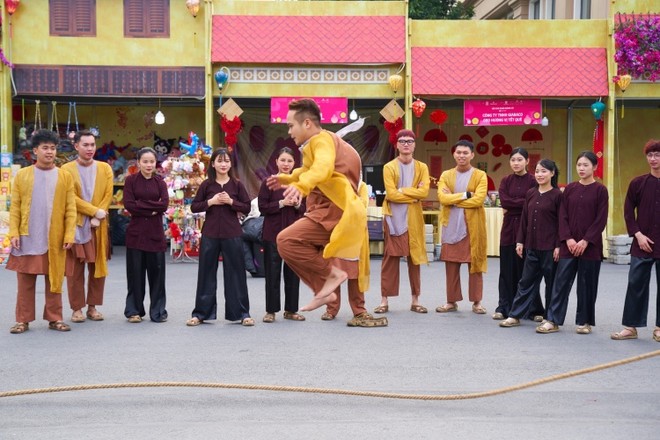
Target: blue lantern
221,77
597,109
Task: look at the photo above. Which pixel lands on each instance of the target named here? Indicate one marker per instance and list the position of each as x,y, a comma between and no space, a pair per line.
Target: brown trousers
454,292
355,299
25,299
75,284
301,247
395,248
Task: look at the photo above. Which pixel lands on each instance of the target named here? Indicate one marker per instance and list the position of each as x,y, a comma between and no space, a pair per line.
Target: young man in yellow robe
42,223
92,182
462,192
406,185
329,178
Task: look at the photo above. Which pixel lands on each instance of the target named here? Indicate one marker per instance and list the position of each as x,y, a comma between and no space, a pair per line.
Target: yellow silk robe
475,213
318,171
62,227
101,199
413,196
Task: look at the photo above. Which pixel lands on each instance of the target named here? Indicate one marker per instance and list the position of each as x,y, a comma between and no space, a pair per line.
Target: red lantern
439,117
418,108
11,6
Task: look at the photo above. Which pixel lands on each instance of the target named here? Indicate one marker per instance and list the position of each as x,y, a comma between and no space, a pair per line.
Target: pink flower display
637,44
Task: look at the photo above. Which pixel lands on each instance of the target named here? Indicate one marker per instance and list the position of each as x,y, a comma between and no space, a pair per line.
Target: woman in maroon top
146,199
582,219
512,192
279,212
538,237
223,198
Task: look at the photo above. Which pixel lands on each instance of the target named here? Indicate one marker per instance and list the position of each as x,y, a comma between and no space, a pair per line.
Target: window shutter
134,18
60,22
84,19
147,18
158,15
72,18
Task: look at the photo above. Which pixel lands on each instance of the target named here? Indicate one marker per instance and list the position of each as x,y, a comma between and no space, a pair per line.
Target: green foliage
439,10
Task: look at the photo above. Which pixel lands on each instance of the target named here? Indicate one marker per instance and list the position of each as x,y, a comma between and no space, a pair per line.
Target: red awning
492,71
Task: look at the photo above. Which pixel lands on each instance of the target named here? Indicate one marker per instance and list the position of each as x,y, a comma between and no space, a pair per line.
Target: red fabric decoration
439,117
231,129
599,142
393,128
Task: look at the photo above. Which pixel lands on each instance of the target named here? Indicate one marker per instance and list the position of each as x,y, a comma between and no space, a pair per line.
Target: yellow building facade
118,83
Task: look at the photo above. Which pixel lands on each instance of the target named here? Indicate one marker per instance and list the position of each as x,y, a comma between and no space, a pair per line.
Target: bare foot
319,301
336,277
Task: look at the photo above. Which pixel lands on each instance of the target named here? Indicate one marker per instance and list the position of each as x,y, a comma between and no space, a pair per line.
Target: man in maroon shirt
644,198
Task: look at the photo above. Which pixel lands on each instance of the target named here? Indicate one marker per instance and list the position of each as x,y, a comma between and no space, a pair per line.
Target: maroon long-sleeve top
221,220
146,200
276,218
513,190
539,221
583,215
644,197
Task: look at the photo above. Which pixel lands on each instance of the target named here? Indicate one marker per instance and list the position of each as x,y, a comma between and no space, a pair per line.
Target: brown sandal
293,316
382,309
134,319
327,316
95,315
58,326
269,317
77,316
626,333
417,308
19,327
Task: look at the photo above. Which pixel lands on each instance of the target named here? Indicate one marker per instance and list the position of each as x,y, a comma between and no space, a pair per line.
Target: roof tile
492,71
308,39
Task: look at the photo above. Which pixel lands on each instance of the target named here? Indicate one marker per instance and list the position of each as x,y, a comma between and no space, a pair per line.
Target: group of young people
315,231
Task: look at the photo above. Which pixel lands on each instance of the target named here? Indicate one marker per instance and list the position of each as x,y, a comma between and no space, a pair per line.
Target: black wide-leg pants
538,265
587,289
237,303
273,265
637,295
140,266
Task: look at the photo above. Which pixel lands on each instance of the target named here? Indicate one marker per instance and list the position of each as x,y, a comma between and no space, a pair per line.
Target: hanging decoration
623,81
231,127
418,108
393,128
221,79
11,6
438,117
395,82
193,7
597,109
52,122
37,114
70,133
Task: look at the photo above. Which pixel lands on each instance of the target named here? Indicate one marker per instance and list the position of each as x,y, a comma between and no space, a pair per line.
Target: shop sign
501,112
333,110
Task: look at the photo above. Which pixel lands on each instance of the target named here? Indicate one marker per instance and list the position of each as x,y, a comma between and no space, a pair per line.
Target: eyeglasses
406,141
653,155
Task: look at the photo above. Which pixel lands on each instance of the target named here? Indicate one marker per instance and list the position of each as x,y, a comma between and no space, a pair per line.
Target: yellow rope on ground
292,389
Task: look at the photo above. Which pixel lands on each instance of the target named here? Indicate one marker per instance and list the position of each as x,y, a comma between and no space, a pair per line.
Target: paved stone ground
452,353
